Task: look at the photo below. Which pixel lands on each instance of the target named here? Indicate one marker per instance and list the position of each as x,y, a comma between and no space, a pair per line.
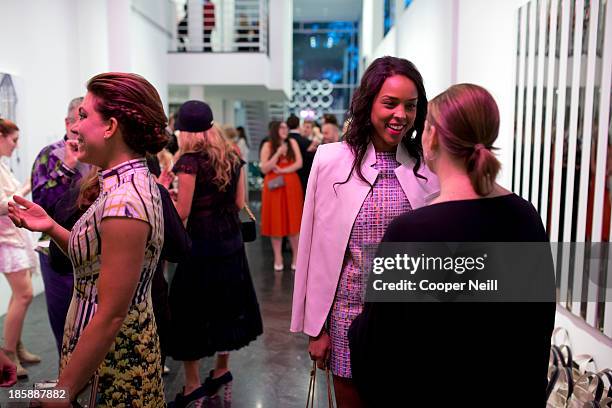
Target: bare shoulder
265,150
292,142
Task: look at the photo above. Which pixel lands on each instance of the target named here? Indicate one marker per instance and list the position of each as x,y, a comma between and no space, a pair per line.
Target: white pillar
280,45
372,30
119,35
195,23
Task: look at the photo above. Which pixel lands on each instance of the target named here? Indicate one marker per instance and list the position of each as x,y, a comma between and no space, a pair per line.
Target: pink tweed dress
386,201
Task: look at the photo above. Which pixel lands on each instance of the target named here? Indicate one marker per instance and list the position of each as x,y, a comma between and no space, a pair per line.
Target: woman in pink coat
355,189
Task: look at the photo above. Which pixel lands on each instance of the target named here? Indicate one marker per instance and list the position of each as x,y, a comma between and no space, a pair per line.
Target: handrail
222,26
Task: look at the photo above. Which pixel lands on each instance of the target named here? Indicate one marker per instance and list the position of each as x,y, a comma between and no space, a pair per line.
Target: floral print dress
130,375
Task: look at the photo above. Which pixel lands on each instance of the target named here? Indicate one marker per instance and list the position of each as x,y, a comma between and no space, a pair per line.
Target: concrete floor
273,371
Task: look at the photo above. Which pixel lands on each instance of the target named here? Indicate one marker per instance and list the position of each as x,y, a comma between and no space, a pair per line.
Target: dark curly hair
136,105
359,131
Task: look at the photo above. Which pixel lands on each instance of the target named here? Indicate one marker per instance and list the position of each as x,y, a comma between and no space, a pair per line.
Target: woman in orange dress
282,198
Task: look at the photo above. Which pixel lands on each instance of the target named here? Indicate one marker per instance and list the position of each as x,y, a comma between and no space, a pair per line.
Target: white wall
422,34
89,42
585,339
486,56
44,64
150,38
53,48
450,41
281,45
387,46
427,46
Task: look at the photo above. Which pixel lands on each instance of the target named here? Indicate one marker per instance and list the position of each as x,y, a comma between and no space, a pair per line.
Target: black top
66,214
307,157
213,223
470,354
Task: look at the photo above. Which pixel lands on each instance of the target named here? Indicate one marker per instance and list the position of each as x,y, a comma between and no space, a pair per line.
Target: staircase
256,114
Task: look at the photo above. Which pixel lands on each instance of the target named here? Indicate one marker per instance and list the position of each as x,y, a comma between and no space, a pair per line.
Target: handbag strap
93,396
330,395
606,374
554,376
563,331
313,385
249,212
554,356
566,356
560,358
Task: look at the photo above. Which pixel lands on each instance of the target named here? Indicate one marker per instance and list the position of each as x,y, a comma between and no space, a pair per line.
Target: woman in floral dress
110,331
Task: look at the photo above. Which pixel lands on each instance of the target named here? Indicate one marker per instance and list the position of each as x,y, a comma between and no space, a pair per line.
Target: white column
195,24
119,14
372,30
280,43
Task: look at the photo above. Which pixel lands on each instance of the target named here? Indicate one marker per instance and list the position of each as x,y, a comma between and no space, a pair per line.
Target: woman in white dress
17,257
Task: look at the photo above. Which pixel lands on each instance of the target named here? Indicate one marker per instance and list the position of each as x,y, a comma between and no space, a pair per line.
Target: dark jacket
307,157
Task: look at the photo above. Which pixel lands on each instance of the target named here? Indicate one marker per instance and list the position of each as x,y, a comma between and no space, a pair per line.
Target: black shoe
212,385
184,401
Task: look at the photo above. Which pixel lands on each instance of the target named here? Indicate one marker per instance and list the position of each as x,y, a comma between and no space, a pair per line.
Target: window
389,17
325,69
8,97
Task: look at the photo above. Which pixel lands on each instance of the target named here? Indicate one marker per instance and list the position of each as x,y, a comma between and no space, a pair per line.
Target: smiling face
8,143
393,112
90,130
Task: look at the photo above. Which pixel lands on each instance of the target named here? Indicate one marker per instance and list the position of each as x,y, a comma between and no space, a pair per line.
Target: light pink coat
327,222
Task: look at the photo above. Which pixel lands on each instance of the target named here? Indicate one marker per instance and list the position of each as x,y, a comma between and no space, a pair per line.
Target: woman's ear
111,128
433,138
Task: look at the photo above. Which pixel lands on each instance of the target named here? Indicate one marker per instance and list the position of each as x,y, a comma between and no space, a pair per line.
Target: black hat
194,116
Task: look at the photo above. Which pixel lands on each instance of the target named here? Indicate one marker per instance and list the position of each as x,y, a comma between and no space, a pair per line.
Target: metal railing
222,26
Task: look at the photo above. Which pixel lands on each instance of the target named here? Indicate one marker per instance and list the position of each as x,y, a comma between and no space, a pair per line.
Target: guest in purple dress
355,189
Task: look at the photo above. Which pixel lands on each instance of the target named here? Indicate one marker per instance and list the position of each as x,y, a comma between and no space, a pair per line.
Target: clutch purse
247,226
276,182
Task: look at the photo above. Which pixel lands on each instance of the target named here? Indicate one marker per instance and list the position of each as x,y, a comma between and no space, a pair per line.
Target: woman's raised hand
26,214
282,149
166,178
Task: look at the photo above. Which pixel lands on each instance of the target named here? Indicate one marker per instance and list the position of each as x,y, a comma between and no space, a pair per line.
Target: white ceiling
326,10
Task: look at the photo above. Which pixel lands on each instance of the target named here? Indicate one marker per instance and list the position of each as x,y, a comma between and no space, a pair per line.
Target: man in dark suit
307,148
